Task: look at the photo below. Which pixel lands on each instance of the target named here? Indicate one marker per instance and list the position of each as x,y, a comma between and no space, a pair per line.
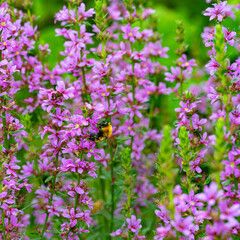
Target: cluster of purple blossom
58,182
213,213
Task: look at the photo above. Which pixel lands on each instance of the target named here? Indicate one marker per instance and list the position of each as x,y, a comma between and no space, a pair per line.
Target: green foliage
100,16
185,148
165,171
126,159
128,177
165,152
220,150
220,143
180,32
219,45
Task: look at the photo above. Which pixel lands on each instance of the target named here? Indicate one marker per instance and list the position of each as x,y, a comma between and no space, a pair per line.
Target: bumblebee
104,132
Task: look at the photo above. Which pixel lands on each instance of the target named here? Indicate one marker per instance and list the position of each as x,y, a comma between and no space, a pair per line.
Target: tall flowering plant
84,151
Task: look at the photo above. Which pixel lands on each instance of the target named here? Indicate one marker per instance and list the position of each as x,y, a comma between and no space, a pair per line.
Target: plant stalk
3,224
51,197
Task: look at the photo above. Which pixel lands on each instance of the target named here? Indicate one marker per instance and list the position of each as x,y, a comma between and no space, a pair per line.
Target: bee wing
112,142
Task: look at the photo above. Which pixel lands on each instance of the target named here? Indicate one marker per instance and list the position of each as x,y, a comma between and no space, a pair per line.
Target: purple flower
133,224
212,66
62,15
53,75
231,166
234,117
182,224
192,201
79,122
219,11
156,49
163,214
177,74
211,194
213,95
72,216
129,33
60,116
147,12
184,63
208,36
53,210
5,21
196,123
118,232
67,93
219,114
229,36
186,108
229,213
82,15
100,69
194,165
162,232
184,121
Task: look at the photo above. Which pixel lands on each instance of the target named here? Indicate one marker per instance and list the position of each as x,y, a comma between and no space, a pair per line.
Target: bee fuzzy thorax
104,132
107,131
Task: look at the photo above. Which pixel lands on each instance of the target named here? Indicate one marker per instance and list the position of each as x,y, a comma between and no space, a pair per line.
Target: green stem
227,122
51,197
5,137
170,198
77,21
104,51
218,179
29,13
151,112
76,197
83,72
3,224
129,199
76,201
84,77
102,184
189,183
181,84
82,68
133,80
30,17
84,80
181,88
112,190
133,91
102,187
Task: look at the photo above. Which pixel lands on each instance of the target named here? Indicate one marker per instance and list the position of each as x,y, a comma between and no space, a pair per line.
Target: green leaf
54,232
49,179
122,139
206,164
207,181
28,206
197,176
5,96
227,182
17,131
102,177
60,194
45,189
